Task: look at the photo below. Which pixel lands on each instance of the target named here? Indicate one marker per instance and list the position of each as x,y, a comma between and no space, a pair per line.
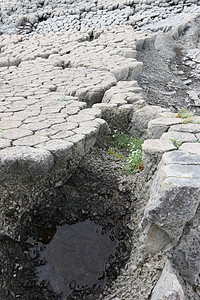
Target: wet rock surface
91,193
151,58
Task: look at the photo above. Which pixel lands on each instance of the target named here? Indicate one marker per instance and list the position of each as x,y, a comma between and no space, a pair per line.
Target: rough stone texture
171,216
191,148
119,103
191,127
158,126
183,137
117,117
187,256
47,81
48,84
168,286
152,153
174,186
88,15
141,118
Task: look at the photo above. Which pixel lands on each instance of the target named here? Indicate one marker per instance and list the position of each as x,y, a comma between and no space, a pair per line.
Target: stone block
31,140
141,118
158,126
16,133
191,127
60,149
181,137
135,68
174,194
34,162
181,158
121,72
152,153
193,148
4,143
169,286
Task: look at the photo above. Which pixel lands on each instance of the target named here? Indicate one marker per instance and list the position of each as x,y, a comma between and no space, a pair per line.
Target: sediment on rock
62,93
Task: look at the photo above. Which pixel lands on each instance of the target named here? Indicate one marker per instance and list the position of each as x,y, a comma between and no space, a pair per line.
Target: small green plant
177,143
188,120
134,163
128,149
186,114
111,151
1,133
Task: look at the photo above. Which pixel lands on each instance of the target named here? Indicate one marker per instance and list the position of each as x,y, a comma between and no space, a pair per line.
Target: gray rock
191,127
60,149
31,140
174,186
181,158
187,255
35,162
16,133
181,137
117,117
168,287
121,73
4,143
141,118
158,126
193,148
152,153
135,68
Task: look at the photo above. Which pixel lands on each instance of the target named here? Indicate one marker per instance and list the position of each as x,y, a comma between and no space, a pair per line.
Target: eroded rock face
187,255
48,125
47,132
168,286
175,186
171,216
27,173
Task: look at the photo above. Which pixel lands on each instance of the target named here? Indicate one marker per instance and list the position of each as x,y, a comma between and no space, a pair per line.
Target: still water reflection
75,255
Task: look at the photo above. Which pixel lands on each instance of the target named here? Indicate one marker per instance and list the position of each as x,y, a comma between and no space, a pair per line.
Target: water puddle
75,257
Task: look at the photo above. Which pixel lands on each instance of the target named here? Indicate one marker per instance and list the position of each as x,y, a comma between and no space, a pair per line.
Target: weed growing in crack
177,143
1,133
186,114
129,149
112,151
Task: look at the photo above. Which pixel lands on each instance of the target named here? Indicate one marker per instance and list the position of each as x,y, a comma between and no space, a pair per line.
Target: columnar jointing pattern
48,85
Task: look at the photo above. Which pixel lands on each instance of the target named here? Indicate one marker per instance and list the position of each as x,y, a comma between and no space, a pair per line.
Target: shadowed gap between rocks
90,199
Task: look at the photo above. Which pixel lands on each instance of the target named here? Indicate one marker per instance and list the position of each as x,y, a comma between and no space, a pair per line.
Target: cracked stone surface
173,204
61,72
49,84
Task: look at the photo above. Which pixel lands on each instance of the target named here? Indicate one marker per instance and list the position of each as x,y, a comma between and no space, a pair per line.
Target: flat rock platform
48,85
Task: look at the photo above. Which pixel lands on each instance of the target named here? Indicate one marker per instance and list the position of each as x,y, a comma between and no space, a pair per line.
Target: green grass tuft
186,114
128,149
177,143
